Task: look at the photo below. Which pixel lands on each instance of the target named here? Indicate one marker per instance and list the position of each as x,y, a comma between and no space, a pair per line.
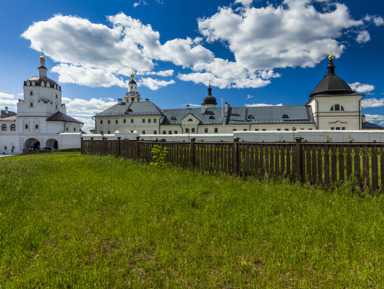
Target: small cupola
331,84
42,68
132,95
210,100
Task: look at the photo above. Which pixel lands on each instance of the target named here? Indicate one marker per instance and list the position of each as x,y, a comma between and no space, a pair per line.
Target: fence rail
326,164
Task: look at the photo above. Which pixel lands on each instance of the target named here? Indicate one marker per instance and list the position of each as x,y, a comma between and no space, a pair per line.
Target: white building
41,119
332,106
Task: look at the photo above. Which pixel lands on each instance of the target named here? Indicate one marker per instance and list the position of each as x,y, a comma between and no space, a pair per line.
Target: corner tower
334,104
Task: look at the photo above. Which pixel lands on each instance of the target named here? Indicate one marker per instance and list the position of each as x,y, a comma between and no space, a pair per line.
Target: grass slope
72,221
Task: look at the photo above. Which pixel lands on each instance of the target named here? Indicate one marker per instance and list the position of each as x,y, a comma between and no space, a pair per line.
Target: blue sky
253,52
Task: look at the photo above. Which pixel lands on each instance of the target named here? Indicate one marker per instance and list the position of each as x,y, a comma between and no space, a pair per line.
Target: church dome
210,99
331,84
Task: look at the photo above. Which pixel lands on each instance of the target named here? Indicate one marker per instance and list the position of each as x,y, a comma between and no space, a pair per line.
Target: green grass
72,221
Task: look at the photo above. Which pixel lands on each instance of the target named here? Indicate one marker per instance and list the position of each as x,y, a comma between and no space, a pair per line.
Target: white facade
41,120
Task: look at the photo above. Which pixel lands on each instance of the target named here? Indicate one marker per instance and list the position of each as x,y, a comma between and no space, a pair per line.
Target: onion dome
132,81
331,84
210,99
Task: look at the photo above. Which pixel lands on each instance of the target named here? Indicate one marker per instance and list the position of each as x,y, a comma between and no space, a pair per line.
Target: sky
253,52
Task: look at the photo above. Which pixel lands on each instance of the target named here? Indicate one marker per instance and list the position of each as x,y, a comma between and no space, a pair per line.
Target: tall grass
72,221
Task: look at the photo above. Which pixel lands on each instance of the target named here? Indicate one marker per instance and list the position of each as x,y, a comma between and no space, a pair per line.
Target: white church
41,120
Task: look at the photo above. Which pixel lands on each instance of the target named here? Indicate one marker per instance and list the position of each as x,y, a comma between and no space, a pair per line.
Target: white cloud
363,37
287,35
163,73
155,84
245,3
262,105
374,118
377,20
361,88
250,96
98,55
372,102
9,100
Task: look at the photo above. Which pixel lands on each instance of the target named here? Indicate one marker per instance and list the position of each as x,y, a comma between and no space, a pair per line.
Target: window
31,105
143,132
109,132
343,128
264,129
234,129
5,147
155,132
251,116
101,132
26,126
187,130
131,86
256,129
309,129
170,132
193,130
175,132
211,117
216,130
337,128
56,96
279,129
285,116
190,119
116,121
101,122
13,127
31,93
287,129
149,120
109,122
143,120
4,127
124,120
66,129
36,126
206,130
74,129
56,106
155,120
332,128
245,129
337,107
164,132
173,118
132,120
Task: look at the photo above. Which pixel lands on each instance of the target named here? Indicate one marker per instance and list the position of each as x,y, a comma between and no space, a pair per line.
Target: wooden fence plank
333,164
375,175
365,168
357,166
341,163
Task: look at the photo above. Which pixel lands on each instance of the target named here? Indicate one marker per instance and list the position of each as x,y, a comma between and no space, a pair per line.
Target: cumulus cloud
361,88
98,55
262,105
289,33
9,100
155,84
250,96
376,118
372,102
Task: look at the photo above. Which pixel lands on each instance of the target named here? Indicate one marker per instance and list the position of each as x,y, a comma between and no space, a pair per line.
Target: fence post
82,145
235,156
192,153
137,148
298,160
118,146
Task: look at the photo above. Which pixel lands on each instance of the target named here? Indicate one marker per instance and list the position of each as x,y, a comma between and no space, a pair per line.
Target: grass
72,221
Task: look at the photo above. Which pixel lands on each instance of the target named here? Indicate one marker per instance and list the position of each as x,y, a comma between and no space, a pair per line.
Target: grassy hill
72,221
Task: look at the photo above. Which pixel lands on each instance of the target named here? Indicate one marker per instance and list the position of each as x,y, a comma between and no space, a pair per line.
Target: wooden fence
325,164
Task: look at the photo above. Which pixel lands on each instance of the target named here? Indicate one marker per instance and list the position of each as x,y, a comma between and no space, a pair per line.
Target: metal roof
174,116
131,109
5,115
59,116
370,125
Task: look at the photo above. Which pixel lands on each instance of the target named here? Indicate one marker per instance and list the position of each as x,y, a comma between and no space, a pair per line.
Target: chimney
363,118
119,101
6,110
226,107
187,106
203,108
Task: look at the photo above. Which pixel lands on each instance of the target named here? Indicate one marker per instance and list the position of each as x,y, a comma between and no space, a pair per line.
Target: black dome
132,81
332,84
210,99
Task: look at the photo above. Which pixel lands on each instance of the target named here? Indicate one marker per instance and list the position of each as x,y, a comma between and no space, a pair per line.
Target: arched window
337,107
4,127
173,118
190,119
285,116
13,127
251,116
31,93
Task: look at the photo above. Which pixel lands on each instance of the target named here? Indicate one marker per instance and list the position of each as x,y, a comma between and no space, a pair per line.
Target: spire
42,68
209,89
331,66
